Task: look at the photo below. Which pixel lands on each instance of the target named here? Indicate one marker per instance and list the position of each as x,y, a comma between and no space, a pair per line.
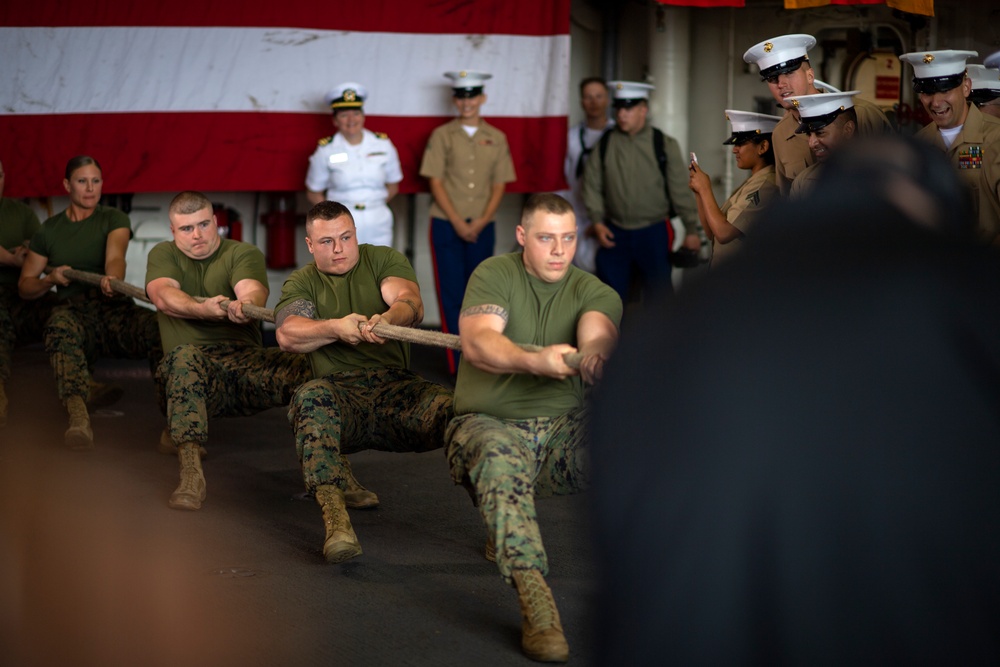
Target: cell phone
694,158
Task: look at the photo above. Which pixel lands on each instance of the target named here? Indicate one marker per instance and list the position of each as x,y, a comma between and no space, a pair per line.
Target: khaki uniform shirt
627,187
791,150
743,208
976,155
805,181
467,166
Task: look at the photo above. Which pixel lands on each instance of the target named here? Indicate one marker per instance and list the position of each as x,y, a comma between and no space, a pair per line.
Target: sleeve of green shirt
593,185
160,263
677,187
248,264
294,288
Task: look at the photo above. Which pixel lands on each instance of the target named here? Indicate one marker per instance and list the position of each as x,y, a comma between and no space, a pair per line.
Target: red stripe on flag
705,4
550,17
159,152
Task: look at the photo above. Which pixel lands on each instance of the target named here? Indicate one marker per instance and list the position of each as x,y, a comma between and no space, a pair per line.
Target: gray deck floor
95,569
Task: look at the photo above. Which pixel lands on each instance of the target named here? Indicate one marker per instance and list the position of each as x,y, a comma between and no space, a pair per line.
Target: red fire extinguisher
280,223
228,220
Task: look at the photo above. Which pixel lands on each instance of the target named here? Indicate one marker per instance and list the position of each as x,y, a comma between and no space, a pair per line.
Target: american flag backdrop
228,95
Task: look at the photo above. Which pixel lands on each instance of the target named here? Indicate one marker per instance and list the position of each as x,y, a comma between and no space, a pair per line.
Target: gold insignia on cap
841,107
768,46
727,117
619,87
463,74
757,131
350,95
795,103
928,58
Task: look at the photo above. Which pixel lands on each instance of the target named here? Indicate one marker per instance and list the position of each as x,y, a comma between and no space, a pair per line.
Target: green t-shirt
18,223
218,274
80,245
540,313
357,291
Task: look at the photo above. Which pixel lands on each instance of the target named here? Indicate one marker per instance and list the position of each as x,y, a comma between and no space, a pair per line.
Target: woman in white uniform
751,142
356,167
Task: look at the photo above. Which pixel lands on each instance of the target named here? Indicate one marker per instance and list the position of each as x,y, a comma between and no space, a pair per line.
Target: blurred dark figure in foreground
820,484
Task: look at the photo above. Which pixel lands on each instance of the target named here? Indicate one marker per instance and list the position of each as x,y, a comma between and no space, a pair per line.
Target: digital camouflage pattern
388,409
89,326
225,380
21,323
506,463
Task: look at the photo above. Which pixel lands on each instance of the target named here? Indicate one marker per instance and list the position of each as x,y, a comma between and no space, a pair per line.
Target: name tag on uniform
486,142
375,153
337,158
971,158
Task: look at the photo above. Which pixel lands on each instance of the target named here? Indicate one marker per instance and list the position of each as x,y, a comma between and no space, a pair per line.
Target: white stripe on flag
134,69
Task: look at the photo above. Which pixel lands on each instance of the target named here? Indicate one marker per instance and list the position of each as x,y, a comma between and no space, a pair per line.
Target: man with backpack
633,183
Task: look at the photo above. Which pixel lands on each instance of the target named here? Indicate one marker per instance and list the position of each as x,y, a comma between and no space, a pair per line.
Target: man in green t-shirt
18,318
519,428
215,364
364,396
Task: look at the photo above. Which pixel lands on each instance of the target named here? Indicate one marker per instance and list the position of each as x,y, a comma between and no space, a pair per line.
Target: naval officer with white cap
635,179
985,92
356,167
784,65
467,162
969,138
727,225
827,121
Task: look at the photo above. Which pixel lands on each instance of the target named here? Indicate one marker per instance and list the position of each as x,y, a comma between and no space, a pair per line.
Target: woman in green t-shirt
89,322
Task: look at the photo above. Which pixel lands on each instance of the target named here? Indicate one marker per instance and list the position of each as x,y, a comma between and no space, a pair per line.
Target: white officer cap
780,55
348,95
993,60
819,110
985,84
467,83
984,78
746,125
937,71
626,94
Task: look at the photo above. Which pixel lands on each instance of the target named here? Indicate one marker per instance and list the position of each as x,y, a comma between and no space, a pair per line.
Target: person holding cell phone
727,225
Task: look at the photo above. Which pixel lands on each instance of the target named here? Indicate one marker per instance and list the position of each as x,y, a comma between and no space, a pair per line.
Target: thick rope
382,329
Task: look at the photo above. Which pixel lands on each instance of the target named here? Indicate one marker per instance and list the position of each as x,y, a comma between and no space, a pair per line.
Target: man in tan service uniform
468,165
784,64
969,138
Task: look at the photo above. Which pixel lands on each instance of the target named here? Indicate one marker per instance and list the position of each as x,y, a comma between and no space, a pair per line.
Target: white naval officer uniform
356,176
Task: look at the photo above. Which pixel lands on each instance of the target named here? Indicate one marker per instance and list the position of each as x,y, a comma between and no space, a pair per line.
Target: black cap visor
785,67
817,122
938,84
627,103
983,95
738,138
465,93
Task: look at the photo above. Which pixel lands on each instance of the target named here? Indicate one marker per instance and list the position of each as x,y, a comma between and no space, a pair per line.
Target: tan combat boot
103,395
357,497
78,435
341,543
542,636
190,493
3,405
166,445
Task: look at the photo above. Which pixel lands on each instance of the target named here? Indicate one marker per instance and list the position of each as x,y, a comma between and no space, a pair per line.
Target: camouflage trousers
389,409
22,322
90,326
224,380
508,462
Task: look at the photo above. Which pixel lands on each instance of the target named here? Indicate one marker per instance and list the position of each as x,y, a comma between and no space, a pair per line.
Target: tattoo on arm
299,307
486,309
413,307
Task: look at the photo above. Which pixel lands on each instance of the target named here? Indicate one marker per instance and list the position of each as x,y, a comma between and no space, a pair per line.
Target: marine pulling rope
381,329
